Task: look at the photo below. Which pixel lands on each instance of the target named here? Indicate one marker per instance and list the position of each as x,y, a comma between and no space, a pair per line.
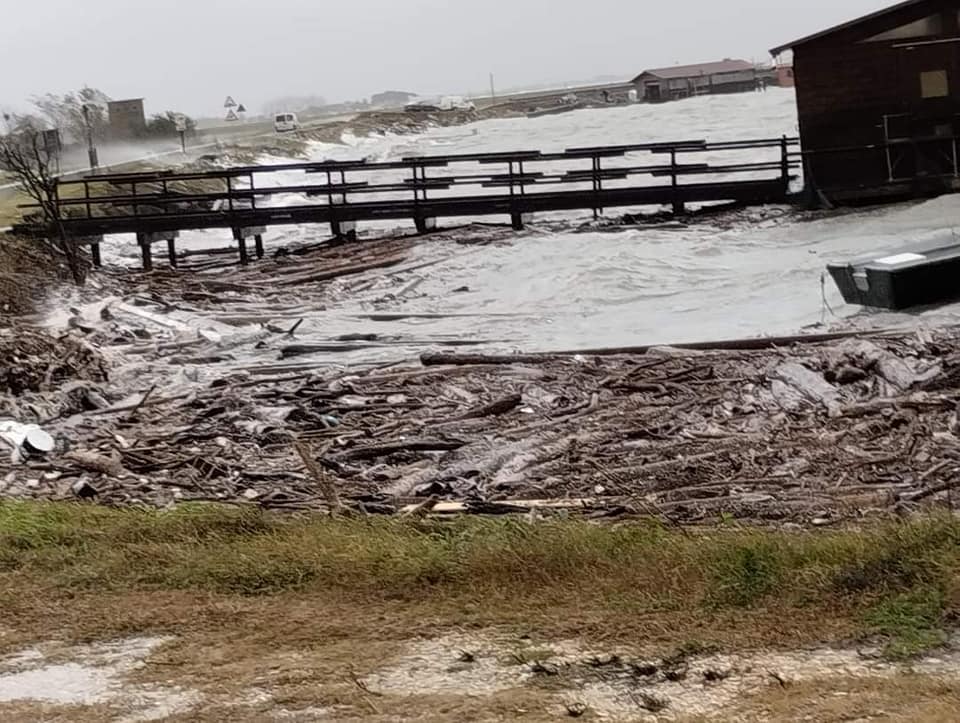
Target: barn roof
847,25
688,71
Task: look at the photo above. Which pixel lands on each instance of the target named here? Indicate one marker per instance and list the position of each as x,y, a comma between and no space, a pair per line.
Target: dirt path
210,613
271,673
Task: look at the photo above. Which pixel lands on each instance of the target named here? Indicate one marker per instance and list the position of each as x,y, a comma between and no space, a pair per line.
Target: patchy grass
904,699
9,200
913,622
893,580
746,571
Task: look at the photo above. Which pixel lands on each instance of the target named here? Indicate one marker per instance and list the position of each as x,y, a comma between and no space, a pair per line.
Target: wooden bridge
156,206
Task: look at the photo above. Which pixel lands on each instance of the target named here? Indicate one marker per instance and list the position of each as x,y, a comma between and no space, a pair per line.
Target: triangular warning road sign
229,102
241,109
232,116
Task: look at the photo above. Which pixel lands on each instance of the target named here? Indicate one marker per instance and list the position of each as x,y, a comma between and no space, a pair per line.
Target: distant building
878,100
784,76
392,99
684,81
127,118
594,94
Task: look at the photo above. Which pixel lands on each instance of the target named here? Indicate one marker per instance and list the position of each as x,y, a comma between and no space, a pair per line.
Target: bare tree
27,156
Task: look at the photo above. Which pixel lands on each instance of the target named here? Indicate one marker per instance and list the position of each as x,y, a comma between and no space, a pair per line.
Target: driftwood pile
33,361
809,434
173,391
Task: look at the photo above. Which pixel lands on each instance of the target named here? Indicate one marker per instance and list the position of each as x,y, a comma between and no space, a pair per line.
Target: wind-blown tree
66,113
164,125
27,156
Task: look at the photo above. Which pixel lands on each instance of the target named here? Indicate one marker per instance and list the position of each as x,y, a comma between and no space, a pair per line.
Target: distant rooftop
688,71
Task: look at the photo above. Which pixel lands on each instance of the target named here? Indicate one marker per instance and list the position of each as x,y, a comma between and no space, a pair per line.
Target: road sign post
91,148
181,121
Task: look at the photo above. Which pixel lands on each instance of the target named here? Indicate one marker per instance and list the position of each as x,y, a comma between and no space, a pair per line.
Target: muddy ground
463,676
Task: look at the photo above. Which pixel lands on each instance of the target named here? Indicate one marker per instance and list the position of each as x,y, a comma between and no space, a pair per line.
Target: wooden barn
878,100
683,81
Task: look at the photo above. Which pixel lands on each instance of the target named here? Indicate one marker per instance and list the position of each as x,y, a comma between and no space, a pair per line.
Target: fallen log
495,409
404,317
413,445
433,359
506,506
755,344
751,344
352,270
295,350
93,462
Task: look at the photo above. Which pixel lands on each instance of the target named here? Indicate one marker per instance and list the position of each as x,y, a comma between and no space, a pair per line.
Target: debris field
146,411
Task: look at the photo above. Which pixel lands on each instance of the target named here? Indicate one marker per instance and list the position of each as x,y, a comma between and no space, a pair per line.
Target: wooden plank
459,508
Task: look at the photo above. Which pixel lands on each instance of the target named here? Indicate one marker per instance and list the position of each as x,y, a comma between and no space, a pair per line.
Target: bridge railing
413,183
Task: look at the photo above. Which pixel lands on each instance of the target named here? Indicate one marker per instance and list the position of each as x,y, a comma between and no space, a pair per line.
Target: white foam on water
756,272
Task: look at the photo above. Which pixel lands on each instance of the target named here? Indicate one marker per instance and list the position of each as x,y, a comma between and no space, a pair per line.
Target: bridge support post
519,220
240,235
425,225
146,253
95,256
146,242
344,230
679,208
241,245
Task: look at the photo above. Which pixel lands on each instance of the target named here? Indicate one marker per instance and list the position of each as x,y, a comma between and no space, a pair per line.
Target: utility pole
91,148
493,91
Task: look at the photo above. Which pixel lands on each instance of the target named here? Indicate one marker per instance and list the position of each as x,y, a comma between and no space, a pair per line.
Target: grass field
9,200
249,584
899,580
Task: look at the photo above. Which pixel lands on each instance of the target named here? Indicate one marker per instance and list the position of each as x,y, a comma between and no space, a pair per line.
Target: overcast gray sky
189,54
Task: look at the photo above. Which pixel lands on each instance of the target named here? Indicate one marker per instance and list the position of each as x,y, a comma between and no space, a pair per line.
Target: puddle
440,667
92,675
621,683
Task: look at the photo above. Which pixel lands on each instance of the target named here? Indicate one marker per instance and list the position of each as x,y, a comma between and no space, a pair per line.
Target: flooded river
565,283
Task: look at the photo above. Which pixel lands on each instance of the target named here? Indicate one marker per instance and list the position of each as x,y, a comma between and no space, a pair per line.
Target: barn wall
846,86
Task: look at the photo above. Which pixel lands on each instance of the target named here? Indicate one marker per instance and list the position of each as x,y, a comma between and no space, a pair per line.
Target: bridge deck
158,203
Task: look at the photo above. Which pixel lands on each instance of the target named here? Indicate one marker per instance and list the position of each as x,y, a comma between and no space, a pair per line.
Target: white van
456,102
286,122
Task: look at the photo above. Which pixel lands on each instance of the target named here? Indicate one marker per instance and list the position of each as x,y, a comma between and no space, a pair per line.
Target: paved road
213,140
254,131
